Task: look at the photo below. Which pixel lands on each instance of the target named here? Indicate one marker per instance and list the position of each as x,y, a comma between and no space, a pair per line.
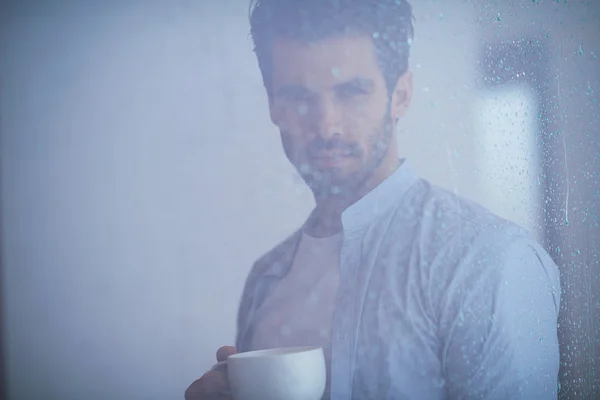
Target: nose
328,119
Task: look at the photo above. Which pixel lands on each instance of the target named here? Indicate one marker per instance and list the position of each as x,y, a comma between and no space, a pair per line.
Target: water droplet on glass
304,168
302,109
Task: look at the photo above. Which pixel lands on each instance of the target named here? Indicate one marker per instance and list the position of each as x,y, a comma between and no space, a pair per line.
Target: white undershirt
299,312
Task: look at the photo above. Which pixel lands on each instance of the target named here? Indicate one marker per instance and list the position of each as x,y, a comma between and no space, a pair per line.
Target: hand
214,384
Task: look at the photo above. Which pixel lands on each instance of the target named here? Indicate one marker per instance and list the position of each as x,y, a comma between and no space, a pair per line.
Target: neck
326,219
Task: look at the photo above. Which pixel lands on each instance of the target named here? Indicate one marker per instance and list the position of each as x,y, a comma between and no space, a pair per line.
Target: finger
216,382
225,352
220,366
211,384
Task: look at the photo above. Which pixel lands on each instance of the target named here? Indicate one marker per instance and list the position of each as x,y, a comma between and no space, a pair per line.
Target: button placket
344,318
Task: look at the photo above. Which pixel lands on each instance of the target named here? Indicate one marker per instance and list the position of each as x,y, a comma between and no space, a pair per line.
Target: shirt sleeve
499,324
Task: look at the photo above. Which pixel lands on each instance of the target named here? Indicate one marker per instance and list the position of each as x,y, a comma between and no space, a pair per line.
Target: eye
351,91
296,96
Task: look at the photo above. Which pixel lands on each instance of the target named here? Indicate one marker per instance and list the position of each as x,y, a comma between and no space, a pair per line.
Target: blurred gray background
141,176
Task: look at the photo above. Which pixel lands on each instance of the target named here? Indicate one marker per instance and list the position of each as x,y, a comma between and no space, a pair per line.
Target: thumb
225,352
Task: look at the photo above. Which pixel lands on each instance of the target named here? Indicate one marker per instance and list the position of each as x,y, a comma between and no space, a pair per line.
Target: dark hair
388,22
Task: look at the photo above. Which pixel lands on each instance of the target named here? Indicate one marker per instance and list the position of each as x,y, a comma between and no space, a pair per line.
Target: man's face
330,102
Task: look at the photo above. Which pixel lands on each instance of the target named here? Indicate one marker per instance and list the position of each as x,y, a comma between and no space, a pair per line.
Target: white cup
291,373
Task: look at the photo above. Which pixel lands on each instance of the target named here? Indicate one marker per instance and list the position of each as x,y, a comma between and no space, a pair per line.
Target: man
413,292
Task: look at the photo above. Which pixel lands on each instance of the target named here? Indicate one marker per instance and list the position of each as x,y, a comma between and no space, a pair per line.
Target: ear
401,96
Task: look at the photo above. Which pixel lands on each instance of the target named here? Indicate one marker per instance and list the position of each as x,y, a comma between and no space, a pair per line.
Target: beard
334,181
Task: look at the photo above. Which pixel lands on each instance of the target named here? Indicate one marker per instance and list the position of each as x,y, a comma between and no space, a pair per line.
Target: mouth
331,158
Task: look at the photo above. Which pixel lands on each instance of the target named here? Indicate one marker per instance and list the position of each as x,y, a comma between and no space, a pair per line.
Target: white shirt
437,298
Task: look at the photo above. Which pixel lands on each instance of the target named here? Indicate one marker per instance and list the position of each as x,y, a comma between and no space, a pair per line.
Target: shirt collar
377,201
381,198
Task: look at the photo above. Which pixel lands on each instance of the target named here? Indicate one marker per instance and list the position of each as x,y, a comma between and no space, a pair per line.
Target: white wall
141,178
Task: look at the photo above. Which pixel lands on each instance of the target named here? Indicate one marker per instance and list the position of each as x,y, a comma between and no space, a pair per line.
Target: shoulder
460,242
443,209
479,236
446,224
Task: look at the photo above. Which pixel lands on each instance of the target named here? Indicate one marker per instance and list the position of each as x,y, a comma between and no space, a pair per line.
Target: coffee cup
289,373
